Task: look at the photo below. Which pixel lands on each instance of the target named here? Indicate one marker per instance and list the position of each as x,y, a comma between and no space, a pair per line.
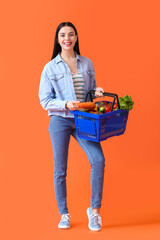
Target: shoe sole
92,229
63,227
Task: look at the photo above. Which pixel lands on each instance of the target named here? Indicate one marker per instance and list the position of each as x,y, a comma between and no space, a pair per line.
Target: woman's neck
67,55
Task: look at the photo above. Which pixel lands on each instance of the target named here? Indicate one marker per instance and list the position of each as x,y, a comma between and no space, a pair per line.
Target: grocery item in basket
94,111
86,105
126,103
101,104
102,109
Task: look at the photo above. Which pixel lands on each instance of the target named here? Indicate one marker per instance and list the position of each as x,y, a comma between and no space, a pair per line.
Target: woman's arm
47,95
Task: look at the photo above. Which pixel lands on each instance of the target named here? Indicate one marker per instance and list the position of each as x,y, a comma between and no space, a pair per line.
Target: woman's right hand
71,105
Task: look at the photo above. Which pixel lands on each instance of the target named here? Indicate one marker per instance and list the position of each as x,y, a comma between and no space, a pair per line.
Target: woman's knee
60,173
98,163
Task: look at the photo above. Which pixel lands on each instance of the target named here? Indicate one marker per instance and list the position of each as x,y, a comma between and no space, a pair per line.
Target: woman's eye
63,35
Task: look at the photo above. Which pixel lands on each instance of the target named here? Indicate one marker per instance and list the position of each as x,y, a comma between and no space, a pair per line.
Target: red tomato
107,109
115,106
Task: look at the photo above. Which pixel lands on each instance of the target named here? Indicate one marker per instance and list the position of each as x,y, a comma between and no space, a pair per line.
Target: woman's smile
67,44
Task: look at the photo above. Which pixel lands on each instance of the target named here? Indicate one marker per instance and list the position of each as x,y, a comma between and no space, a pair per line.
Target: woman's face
67,38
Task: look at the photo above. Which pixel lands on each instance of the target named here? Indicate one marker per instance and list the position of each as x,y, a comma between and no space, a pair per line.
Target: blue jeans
60,130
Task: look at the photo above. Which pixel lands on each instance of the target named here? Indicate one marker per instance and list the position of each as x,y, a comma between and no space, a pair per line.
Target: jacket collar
59,59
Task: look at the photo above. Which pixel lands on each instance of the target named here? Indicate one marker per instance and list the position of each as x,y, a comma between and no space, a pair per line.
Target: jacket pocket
58,82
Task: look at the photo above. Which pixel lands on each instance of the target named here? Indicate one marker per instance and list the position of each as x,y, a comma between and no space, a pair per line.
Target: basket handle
115,96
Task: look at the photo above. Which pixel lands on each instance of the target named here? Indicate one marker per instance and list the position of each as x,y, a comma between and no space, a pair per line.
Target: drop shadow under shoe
95,221
65,221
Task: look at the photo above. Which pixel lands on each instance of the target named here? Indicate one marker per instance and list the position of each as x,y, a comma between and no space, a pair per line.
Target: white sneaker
65,221
95,221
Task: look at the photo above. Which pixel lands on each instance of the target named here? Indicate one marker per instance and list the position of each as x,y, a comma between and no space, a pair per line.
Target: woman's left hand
99,92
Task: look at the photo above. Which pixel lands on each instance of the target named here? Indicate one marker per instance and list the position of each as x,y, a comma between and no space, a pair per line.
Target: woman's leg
60,130
97,162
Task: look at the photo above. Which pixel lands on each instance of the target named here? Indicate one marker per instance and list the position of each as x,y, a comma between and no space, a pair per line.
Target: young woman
65,80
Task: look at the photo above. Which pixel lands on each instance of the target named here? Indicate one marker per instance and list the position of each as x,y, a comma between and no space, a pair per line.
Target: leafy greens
126,102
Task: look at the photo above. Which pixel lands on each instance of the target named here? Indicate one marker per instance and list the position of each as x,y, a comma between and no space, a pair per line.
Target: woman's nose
67,37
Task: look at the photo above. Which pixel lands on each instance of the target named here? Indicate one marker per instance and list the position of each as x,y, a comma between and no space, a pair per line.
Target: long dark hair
57,47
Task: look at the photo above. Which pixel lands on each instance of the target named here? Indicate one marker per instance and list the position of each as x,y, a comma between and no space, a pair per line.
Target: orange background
122,39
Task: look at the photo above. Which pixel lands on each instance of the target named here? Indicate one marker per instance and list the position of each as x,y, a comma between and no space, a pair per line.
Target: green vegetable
126,103
102,109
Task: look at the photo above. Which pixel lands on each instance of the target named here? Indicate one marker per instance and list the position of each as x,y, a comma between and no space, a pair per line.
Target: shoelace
65,217
96,219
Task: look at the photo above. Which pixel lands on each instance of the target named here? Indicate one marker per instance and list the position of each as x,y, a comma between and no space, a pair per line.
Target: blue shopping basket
101,127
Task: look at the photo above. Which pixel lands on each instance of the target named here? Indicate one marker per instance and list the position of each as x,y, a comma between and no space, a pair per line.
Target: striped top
78,83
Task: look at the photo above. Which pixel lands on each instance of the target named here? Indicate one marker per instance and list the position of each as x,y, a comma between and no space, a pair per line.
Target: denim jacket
56,84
